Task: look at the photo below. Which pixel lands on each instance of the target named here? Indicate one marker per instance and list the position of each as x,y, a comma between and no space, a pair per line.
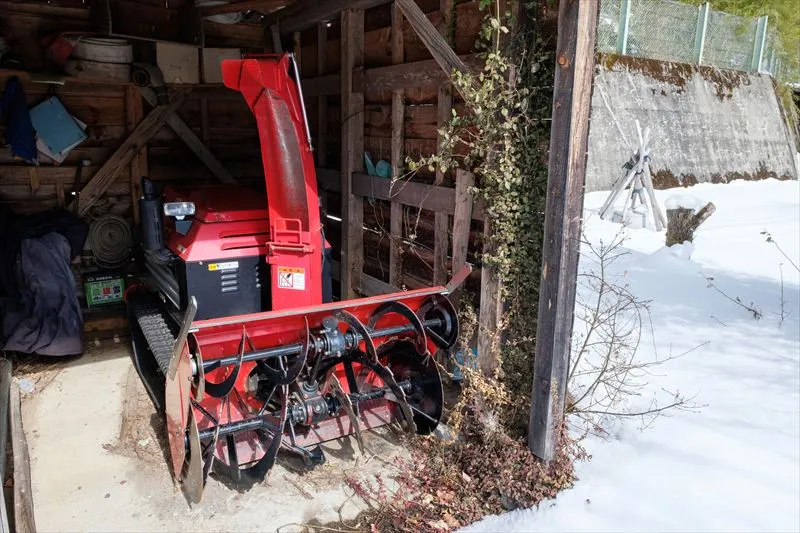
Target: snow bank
734,464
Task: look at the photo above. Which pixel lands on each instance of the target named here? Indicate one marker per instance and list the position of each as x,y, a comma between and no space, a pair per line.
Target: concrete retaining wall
706,124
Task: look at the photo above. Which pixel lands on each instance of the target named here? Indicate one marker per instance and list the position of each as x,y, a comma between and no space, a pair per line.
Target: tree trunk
682,223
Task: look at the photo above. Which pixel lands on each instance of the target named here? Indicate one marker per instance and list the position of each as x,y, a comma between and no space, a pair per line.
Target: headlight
179,209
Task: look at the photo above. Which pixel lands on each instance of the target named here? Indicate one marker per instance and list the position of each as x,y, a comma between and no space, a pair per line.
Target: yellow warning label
292,278
230,265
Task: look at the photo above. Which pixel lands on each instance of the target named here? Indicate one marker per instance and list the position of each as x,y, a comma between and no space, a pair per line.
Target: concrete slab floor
97,464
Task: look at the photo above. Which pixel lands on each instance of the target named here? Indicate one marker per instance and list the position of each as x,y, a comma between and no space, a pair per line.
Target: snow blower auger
235,334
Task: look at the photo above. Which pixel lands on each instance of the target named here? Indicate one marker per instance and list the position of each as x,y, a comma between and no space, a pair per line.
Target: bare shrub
605,374
444,486
750,308
770,239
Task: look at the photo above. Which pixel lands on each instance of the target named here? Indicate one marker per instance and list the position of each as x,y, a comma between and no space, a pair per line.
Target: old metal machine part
233,335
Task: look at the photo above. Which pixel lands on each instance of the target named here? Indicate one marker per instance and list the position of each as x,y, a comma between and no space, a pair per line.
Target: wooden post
205,133
33,178
398,122
444,103
322,100
5,398
296,49
135,111
490,308
461,223
575,59
352,151
277,46
23,496
61,198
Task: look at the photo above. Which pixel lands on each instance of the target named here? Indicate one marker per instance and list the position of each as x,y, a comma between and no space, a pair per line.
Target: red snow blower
235,334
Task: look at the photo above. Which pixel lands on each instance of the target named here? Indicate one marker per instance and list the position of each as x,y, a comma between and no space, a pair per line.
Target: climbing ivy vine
503,137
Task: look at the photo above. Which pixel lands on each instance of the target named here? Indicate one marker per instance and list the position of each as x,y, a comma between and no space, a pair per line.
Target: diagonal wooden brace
436,44
123,155
188,136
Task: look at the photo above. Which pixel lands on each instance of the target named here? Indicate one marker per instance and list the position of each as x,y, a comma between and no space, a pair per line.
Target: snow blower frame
234,332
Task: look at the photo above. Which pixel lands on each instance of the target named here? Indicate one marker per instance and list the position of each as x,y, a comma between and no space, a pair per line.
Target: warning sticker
292,278
230,265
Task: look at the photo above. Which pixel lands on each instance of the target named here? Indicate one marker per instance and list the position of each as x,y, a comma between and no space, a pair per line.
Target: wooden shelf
54,79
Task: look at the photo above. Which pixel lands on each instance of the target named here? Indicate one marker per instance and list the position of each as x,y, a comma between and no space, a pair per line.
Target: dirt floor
98,461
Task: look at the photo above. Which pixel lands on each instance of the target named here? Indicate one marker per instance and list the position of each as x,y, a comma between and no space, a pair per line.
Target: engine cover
227,287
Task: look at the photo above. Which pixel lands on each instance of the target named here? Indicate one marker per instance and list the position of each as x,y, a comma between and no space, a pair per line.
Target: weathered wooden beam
390,78
370,286
33,179
61,198
297,49
322,99
412,75
419,195
187,135
23,496
205,126
275,34
436,44
5,398
490,309
462,218
572,94
135,112
398,123
352,151
444,108
262,6
410,193
121,158
306,13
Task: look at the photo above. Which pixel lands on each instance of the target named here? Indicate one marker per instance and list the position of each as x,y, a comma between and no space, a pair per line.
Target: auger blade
439,307
352,320
347,405
223,388
406,312
388,378
193,480
245,478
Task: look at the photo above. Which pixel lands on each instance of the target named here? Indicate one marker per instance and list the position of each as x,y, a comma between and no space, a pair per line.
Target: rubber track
158,330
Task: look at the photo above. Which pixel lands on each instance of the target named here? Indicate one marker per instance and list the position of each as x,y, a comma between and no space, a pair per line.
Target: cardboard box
180,63
212,59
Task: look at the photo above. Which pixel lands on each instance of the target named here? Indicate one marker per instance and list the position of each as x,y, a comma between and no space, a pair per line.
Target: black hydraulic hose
294,349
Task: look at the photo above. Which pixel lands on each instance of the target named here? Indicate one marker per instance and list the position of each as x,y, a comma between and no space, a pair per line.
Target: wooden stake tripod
640,181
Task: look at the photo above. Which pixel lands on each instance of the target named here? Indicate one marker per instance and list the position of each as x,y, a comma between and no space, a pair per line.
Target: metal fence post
758,45
624,21
700,33
771,61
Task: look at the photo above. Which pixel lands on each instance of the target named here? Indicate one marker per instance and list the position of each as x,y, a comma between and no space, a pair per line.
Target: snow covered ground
735,464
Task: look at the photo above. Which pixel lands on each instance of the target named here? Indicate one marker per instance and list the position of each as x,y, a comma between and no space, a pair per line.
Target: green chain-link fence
673,31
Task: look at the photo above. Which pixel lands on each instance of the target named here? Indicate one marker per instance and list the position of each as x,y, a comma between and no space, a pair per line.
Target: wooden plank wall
221,119
217,115
102,108
417,136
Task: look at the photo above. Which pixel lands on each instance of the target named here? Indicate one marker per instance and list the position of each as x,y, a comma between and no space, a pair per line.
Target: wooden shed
377,95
